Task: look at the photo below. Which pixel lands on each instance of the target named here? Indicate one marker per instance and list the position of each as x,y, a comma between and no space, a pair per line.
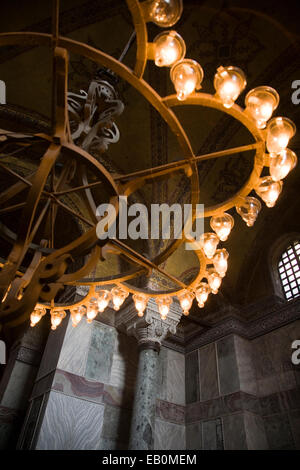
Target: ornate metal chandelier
84,122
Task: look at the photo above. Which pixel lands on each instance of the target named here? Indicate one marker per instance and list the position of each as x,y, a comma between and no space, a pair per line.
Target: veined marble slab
168,436
74,351
70,424
100,352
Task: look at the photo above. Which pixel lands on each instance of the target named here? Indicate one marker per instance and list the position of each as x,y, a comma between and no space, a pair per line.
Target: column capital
149,329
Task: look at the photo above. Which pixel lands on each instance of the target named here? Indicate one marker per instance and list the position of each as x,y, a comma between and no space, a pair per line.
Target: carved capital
150,329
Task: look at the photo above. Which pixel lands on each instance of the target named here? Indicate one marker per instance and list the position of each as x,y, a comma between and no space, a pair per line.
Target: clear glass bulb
282,163
163,304
36,315
279,132
214,281
209,242
220,261
187,76
249,209
103,299
169,47
222,225
260,103
92,310
165,13
202,293
269,190
229,83
118,297
56,318
186,300
140,303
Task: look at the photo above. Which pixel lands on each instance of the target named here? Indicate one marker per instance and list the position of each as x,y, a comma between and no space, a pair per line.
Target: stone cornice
276,316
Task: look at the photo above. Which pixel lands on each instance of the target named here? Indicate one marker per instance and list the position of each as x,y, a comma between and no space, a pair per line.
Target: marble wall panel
171,376
212,435
168,436
294,417
19,386
255,432
193,436
247,375
272,356
162,374
124,362
278,431
192,380
176,377
100,352
170,412
70,424
10,422
77,386
209,387
117,396
74,351
52,350
116,427
227,366
234,432
26,439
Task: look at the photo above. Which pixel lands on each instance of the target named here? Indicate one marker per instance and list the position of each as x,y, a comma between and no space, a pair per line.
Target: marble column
149,331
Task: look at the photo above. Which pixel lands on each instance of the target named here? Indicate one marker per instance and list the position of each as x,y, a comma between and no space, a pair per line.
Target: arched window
289,270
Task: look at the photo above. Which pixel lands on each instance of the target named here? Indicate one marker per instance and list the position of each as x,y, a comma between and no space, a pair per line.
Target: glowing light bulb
77,314
36,315
279,132
165,13
220,261
214,281
140,303
187,76
269,190
202,293
209,242
260,103
118,297
169,48
104,297
163,304
229,83
222,225
92,310
56,318
249,209
282,163
186,300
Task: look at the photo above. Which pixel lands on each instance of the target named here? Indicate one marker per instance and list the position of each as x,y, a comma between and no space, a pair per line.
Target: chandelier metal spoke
167,168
